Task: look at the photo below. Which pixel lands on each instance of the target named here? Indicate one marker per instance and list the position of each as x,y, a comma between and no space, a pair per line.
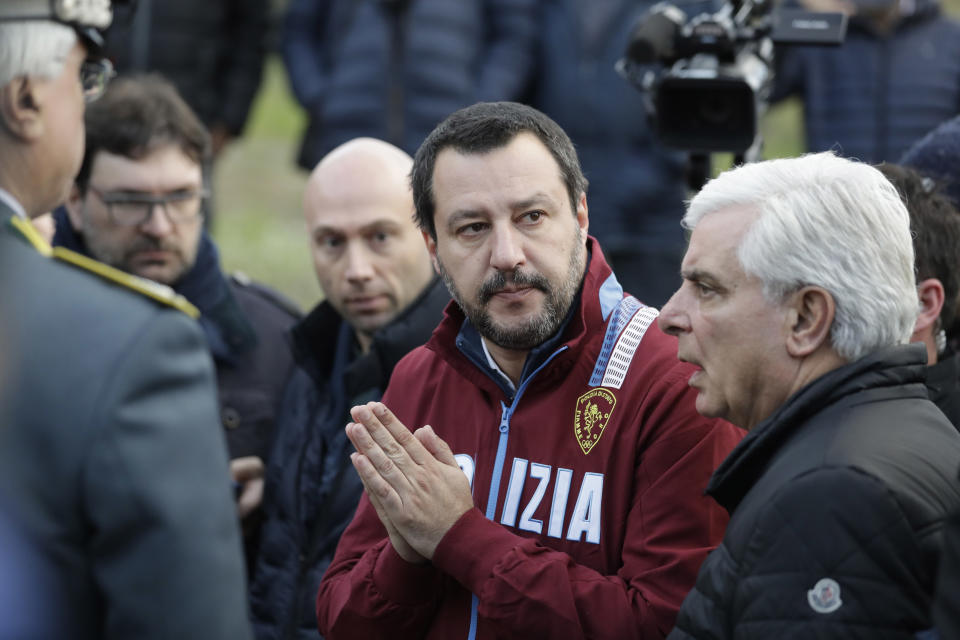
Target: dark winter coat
838,503
212,51
875,95
943,384
311,488
394,69
637,187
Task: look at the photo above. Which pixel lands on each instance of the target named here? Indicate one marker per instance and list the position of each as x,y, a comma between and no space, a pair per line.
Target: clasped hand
412,480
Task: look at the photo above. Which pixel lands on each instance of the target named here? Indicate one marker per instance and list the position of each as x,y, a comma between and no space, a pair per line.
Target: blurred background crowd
258,185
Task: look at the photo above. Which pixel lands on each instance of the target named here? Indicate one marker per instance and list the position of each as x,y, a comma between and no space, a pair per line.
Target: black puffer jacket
838,503
312,489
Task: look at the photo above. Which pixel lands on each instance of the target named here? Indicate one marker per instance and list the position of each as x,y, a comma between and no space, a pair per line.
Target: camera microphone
655,37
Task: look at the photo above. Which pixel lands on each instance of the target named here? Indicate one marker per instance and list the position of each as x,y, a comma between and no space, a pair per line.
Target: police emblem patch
825,596
591,416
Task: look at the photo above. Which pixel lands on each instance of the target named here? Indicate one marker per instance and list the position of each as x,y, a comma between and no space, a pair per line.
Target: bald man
382,300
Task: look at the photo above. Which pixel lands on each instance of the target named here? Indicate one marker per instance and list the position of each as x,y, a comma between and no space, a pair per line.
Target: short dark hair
137,115
935,224
484,127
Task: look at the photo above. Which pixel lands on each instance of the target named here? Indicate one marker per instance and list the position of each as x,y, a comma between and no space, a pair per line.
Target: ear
810,313
583,220
431,249
20,110
74,207
930,292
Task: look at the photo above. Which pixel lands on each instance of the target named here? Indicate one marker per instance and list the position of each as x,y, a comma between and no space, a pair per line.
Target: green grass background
259,225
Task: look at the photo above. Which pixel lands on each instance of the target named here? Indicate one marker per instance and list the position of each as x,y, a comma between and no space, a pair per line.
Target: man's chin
369,323
164,274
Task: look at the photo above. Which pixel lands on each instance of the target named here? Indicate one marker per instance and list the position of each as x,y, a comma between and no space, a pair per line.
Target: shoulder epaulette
159,292
31,235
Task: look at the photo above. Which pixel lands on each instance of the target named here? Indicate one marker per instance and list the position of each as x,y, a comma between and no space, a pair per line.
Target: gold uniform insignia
159,292
591,416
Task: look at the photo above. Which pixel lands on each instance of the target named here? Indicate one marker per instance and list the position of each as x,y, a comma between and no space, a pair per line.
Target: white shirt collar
11,202
493,364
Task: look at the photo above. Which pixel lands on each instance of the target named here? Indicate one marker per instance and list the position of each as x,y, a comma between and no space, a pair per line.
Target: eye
472,229
703,290
328,242
532,216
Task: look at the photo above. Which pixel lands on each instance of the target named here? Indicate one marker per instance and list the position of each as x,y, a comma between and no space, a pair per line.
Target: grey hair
33,48
829,222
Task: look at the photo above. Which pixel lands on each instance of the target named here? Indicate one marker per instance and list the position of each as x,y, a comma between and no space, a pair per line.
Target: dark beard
537,330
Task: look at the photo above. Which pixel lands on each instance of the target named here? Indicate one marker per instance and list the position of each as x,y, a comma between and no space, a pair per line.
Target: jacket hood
890,367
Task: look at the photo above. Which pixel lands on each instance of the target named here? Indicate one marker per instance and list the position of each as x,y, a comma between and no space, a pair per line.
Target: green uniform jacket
111,453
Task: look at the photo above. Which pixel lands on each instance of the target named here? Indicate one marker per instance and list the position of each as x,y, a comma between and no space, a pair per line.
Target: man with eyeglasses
136,205
110,459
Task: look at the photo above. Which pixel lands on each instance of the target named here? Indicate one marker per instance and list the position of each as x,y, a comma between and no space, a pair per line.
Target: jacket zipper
494,493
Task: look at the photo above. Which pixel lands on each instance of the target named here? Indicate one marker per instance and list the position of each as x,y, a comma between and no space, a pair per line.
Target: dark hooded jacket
311,488
838,502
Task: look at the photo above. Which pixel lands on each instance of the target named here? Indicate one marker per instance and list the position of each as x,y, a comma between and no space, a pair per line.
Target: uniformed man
110,453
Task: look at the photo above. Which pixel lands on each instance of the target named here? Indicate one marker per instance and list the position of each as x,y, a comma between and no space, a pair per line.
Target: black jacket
245,325
943,383
946,609
838,503
311,488
213,51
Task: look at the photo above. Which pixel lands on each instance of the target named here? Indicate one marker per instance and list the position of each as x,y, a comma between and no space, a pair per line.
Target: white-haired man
111,459
797,304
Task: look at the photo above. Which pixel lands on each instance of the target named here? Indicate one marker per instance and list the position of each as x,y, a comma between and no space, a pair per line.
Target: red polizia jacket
598,465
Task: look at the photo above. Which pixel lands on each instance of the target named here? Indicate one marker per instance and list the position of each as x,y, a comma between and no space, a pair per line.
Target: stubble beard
536,330
122,257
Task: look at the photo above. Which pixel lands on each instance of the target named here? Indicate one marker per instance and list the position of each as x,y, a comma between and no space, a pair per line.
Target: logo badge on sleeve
825,596
592,414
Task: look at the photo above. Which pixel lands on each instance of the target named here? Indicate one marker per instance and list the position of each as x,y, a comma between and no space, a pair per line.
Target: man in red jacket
558,492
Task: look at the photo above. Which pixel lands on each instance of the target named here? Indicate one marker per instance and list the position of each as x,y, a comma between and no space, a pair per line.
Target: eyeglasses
130,209
95,75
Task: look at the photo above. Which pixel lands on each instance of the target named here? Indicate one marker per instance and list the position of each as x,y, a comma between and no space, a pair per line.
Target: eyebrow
697,275
376,225
538,198
140,193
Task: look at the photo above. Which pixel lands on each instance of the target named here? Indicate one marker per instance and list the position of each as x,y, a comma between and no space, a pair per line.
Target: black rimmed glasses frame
129,209
95,75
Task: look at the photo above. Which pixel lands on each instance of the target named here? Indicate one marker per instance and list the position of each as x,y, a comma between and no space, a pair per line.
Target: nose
358,267
158,223
673,318
506,252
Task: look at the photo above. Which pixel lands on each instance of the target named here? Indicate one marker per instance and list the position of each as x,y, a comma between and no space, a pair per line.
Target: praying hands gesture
412,480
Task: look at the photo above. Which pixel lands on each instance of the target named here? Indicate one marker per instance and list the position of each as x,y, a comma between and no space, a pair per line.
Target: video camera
707,79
